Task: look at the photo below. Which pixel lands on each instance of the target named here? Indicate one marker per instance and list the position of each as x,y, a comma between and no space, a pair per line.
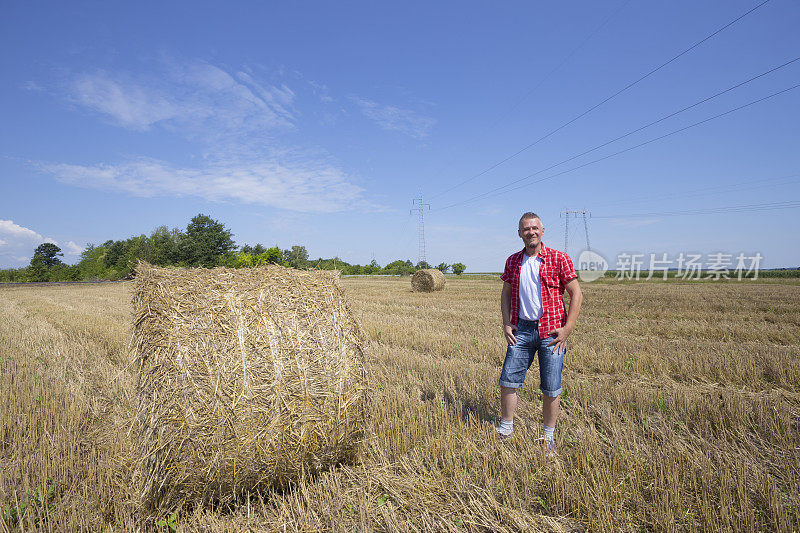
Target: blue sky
317,123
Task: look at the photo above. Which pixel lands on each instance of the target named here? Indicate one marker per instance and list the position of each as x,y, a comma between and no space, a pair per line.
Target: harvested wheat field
681,411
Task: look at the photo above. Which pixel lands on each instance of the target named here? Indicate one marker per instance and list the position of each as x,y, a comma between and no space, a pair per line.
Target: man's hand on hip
509,330
560,340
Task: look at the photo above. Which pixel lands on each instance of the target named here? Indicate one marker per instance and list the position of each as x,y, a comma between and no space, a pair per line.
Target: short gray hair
528,215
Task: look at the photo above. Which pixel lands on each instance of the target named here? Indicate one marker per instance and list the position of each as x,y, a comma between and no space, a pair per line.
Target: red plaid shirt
555,272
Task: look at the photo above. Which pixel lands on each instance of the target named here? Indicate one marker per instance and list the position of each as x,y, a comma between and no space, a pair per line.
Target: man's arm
575,300
505,309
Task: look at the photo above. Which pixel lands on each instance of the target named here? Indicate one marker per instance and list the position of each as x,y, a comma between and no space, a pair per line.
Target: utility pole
575,213
419,206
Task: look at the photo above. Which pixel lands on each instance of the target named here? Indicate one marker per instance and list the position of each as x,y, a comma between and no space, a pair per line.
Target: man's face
530,231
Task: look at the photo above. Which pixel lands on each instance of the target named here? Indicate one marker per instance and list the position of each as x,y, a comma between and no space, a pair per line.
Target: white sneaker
549,447
501,434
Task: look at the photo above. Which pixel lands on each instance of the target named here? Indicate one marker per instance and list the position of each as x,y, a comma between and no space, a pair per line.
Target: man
534,320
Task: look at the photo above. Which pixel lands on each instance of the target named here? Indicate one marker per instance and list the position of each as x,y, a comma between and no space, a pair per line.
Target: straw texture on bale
247,379
427,280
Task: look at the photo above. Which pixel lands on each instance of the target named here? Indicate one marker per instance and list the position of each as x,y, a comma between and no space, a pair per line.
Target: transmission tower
575,213
419,206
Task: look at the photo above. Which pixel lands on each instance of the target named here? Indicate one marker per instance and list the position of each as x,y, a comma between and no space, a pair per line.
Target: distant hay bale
247,379
427,280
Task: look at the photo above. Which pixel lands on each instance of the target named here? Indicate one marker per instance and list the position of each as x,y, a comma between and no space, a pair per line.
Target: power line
792,204
564,62
500,190
657,121
564,125
749,184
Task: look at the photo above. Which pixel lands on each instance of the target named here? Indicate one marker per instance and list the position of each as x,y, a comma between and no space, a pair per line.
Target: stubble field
681,411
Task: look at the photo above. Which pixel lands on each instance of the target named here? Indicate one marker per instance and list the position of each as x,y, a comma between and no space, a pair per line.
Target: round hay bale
247,378
427,280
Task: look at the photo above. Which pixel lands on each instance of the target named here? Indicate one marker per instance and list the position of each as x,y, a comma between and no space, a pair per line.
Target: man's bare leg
549,416
508,402
549,410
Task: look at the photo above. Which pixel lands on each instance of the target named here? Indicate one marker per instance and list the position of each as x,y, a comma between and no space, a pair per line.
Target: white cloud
17,240
17,232
32,86
234,116
17,236
396,119
321,91
70,248
132,106
302,185
194,98
280,100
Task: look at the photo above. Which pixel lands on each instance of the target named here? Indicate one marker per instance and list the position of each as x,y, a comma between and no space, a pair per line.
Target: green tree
352,270
120,257
48,253
458,268
399,267
394,267
64,272
443,267
297,257
11,275
269,256
162,246
92,264
244,259
114,252
38,270
206,242
14,275
422,264
333,263
44,259
136,248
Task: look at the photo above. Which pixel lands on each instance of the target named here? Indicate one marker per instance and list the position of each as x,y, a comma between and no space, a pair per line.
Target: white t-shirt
530,288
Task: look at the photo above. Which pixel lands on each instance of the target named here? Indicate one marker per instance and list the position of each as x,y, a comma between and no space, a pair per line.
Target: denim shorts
520,356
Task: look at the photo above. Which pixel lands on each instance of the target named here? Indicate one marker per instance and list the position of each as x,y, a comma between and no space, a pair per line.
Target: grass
681,411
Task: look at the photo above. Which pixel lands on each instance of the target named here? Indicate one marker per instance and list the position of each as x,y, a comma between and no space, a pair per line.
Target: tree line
204,243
